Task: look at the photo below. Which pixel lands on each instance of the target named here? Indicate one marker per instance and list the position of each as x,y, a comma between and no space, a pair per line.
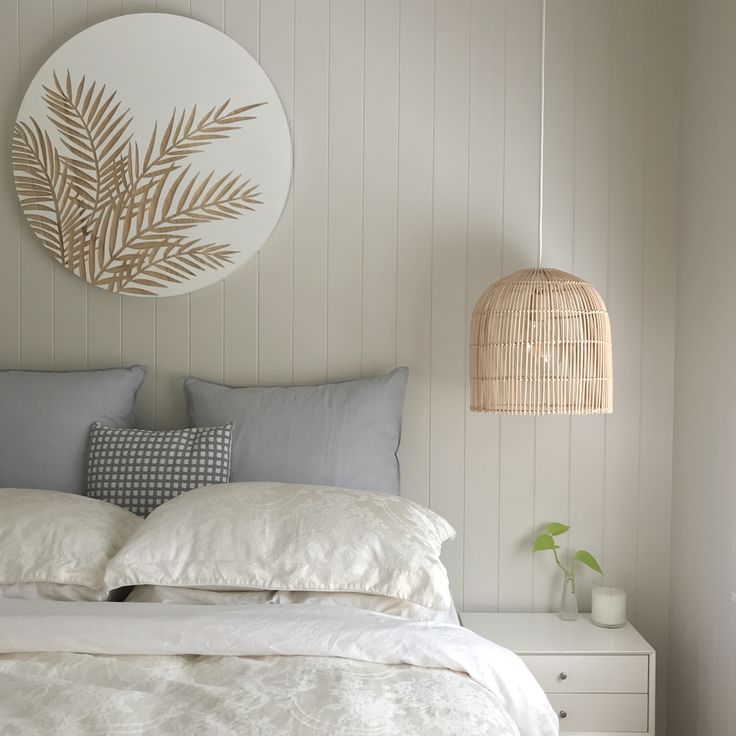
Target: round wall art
151,155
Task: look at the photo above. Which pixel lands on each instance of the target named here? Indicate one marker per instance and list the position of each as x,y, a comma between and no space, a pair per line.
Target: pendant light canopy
540,339
540,343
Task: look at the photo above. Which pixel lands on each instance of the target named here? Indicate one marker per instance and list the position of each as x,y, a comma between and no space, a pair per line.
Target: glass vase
569,601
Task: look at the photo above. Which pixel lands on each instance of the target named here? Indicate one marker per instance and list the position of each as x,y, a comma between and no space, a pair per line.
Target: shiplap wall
703,602
416,153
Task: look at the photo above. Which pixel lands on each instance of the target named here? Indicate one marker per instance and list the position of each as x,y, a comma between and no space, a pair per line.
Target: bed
123,668
330,659
167,600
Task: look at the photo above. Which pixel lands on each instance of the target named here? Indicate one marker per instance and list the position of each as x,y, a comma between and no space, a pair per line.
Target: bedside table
600,681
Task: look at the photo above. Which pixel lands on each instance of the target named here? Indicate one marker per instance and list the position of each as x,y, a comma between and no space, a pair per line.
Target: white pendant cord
541,132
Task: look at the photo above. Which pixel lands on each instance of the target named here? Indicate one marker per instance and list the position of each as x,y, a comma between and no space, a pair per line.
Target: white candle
609,606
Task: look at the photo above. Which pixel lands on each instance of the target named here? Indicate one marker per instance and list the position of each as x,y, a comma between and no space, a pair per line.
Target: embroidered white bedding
57,545
255,669
276,536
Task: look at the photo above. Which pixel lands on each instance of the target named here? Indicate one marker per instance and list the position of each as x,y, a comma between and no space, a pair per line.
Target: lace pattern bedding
79,668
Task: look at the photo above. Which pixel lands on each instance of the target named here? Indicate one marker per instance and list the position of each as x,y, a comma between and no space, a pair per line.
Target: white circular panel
151,155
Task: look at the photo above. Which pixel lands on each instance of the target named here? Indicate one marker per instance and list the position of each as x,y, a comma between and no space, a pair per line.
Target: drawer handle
563,675
563,714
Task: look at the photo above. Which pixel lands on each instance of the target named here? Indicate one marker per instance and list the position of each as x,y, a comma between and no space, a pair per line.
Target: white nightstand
600,681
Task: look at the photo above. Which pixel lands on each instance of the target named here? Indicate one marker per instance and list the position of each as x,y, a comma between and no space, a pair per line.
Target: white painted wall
416,129
703,605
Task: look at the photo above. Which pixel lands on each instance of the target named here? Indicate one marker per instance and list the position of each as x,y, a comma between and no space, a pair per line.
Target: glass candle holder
608,605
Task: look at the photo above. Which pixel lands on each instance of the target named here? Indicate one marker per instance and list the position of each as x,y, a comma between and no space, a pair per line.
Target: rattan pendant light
540,339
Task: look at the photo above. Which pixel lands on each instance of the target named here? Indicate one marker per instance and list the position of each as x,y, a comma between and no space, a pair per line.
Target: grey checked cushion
139,469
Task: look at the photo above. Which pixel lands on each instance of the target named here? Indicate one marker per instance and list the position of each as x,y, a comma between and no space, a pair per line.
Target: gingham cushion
139,469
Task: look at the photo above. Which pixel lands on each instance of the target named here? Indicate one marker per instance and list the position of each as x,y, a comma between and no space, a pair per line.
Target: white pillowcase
275,536
365,601
57,545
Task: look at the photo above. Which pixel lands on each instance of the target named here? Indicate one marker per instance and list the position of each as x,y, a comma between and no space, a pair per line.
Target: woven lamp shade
540,343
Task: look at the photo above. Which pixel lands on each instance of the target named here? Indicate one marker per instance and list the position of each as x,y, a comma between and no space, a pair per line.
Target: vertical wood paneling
138,6
172,359
590,261
345,221
416,154
626,199
702,612
9,209
449,263
380,176
521,212
241,288
177,7
485,233
414,239
99,10
276,262
138,345
310,188
659,275
104,333
35,43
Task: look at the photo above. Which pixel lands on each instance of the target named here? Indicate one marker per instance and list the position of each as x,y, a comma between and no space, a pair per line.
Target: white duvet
118,668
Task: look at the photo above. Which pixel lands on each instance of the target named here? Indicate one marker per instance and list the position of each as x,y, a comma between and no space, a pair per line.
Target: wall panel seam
604,468
465,297
362,213
503,247
398,183
431,252
328,243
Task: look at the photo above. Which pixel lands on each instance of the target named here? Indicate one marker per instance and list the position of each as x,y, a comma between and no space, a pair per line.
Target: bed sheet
148,668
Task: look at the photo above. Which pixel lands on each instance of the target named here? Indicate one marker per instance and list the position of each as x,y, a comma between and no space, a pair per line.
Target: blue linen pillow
343,434
45,418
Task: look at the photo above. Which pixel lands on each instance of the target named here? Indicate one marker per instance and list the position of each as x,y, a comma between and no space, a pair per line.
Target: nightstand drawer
590,673
601,712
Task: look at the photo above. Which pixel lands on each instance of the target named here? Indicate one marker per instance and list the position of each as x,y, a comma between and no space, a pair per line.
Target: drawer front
601,712
583,673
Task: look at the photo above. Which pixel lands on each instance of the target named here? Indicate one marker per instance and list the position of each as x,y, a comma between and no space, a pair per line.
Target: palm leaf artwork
117,214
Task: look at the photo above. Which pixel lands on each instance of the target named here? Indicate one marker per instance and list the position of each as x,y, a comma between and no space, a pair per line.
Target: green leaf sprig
546,541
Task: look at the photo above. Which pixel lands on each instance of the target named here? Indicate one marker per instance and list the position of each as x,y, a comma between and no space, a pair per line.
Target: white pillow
57,545
365,601
275,536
